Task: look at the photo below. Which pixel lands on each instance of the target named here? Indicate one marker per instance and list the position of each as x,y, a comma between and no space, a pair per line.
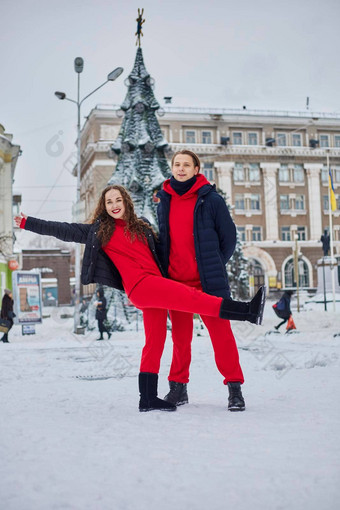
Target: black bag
5,325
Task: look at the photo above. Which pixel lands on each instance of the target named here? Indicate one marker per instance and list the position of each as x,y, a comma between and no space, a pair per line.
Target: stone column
224,172
270,200
314,196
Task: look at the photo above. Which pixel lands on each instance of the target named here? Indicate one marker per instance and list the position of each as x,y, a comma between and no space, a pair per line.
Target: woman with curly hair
120,251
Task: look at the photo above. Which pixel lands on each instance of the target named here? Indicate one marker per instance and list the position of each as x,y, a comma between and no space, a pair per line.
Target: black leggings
101,326
283,322
5,337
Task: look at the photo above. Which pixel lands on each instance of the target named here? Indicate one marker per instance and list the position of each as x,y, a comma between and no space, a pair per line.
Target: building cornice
313,116
258,150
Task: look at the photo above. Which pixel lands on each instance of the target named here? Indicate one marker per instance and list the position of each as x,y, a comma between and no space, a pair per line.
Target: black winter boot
149,401
251,311
178,393
235,400
5,338
101,337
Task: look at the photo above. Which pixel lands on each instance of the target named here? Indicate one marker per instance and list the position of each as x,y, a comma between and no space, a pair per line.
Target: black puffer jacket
214,237
97,266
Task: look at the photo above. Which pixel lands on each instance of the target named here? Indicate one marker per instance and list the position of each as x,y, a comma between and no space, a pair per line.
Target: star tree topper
140,22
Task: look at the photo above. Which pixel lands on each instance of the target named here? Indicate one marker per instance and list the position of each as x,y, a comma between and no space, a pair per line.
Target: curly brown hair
135,227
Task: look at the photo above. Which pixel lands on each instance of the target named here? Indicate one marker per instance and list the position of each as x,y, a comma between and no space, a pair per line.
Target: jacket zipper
196,243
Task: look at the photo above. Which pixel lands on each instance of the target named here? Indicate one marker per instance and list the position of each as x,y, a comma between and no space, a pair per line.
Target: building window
336,237
256,234
281,139
242,233
296,140
325,202
324,175
252,138
208,171
284,202
239,201
324,141
298,173
284,173
238,172
206,137
336,174
285,234
336,140
300,202
301,233
255,202
190,137
290,277
237,138
254,172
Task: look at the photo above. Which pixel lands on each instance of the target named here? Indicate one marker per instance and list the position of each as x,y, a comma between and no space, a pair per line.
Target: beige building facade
9,204
272,166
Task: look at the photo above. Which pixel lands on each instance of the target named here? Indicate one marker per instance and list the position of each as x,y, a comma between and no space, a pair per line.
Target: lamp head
114,74
60,95
78,65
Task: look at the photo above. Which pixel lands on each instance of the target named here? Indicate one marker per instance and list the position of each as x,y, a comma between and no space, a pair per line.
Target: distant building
271,164
8,204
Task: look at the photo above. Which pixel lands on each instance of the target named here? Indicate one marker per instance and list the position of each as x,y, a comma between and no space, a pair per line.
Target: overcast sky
222,53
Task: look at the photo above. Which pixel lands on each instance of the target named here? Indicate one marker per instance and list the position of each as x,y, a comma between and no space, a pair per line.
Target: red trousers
155,295
223,342
159,292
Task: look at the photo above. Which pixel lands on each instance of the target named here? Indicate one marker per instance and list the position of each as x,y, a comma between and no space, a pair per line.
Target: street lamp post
78,67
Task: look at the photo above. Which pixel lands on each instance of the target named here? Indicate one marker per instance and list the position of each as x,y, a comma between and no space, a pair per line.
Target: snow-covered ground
72,437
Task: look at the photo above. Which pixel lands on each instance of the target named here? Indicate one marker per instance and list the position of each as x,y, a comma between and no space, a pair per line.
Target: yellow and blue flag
331,191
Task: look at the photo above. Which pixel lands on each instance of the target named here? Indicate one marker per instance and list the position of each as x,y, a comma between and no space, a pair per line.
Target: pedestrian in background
282,308
7,312
101,313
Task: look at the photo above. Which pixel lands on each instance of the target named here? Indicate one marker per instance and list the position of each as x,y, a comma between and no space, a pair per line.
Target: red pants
223,342
159,292
155,295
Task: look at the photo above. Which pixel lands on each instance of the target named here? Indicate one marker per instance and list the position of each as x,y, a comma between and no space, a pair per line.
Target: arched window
256,270
290,276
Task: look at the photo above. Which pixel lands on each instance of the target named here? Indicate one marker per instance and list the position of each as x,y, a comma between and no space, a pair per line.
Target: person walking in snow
101,313
197,238
120,252
282,308
7,312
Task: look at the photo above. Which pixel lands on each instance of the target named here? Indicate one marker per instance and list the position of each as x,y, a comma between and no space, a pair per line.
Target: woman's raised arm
70,232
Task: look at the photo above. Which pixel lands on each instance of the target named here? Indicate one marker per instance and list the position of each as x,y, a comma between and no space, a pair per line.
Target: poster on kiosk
27,300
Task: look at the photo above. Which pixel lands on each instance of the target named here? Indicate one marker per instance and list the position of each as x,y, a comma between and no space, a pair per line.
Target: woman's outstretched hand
18,219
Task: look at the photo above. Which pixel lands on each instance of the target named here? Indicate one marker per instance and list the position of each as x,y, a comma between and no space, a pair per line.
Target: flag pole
332,266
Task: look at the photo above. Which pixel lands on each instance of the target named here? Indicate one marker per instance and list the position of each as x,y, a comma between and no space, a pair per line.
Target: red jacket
182,257
133,260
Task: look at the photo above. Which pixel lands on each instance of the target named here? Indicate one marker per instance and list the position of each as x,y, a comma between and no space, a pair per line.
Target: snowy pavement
72,437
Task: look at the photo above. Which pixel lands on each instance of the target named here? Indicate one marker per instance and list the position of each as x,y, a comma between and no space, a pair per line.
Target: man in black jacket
197,238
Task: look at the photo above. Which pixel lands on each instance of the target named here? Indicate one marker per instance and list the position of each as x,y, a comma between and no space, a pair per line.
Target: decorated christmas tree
238,266
238,273
142,166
